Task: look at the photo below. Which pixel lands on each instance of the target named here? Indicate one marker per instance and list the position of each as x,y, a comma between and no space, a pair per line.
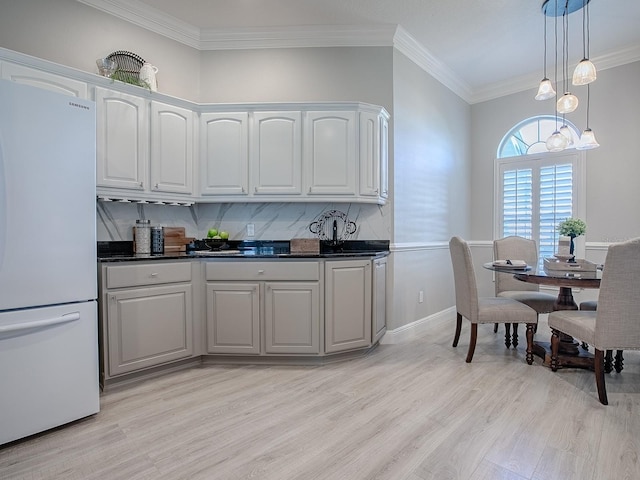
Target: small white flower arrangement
572,227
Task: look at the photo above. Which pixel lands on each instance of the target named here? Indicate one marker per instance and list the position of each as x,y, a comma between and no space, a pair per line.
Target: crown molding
149,18
297,37
422,57
154,20
612,59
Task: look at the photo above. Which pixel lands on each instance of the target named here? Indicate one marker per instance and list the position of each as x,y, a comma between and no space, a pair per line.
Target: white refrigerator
48,270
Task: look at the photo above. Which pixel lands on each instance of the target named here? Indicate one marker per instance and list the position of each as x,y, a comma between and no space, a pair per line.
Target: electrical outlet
251,229
421,296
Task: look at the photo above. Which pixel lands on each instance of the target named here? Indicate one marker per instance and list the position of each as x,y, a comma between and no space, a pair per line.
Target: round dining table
571,353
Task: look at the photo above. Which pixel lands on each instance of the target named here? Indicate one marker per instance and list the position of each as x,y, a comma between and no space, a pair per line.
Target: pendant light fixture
584,74
588,138
568,102
585,71
545,90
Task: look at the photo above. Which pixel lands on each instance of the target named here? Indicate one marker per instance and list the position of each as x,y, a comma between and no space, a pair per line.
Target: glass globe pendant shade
566,131
567,103
545,90
584,73
587,140
557,142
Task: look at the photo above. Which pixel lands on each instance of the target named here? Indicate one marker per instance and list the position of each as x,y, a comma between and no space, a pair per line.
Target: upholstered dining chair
483,309
519,248
615,325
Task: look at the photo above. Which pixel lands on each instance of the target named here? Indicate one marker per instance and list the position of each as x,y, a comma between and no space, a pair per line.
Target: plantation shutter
535,194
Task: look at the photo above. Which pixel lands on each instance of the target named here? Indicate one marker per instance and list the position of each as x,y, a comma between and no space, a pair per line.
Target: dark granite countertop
122,251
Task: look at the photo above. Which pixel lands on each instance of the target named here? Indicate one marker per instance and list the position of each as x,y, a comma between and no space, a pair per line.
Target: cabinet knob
260,272
141,185
156,186
255,189
153,275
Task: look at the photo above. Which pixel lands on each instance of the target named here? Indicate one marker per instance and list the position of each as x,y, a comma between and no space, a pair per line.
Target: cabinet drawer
152,274
229,269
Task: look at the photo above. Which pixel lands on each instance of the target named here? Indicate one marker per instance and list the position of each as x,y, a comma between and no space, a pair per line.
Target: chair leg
456,337
599,371
507,335
555,344
530,331
618,364
608,361
472,342
495,328
515,335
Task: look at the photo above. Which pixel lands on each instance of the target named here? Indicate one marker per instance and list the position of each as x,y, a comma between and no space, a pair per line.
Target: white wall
430,190
72,34
613,169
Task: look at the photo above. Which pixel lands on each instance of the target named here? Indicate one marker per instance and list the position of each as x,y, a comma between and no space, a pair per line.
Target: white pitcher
148,75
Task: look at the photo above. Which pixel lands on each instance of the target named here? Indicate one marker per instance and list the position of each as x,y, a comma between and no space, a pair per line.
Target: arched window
530,136
537,189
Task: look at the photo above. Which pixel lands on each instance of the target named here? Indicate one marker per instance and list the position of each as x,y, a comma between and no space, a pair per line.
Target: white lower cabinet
156,313
146,316
233,318
379,300
263,307
292,317
347,305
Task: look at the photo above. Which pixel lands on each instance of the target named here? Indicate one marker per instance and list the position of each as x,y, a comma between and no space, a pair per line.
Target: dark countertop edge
196,256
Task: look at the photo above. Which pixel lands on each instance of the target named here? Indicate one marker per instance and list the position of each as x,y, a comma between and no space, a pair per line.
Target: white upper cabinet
224,154
171,148
144,148
330,153
45,80
276,153
373,155
147,144
122,140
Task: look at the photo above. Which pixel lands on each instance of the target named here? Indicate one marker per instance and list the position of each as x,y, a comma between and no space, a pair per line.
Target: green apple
224,235
212,232
216,237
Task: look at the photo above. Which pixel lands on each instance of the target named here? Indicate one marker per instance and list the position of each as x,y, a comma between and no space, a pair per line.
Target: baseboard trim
417,328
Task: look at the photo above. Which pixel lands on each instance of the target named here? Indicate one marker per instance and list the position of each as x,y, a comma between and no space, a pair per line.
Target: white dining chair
615,325
483,309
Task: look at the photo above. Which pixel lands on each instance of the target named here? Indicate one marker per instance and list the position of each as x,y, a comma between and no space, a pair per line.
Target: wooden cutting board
175,239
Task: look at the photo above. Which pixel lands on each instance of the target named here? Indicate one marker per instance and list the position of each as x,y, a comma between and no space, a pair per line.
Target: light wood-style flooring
412,411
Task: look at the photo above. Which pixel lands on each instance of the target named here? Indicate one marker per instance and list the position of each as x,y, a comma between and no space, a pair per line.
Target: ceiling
481,49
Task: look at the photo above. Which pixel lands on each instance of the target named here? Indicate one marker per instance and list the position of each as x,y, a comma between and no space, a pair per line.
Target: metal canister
157,240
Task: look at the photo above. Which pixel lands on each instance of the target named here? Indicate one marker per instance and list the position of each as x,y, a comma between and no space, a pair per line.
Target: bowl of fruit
216,240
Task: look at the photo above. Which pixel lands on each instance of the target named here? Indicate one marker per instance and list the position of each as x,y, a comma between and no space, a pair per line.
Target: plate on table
511,264
563,258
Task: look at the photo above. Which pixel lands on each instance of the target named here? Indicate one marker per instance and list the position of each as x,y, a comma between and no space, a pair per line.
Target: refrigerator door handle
3,204
47,322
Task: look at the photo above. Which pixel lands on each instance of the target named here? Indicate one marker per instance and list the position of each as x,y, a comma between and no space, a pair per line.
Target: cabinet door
233,318
122,140
384,158
45,80
276,153
379,303
369,154
224,153
347,305
148,326
330,153
171,149
292,317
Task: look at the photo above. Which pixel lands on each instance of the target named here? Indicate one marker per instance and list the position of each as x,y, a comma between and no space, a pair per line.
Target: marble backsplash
272,221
